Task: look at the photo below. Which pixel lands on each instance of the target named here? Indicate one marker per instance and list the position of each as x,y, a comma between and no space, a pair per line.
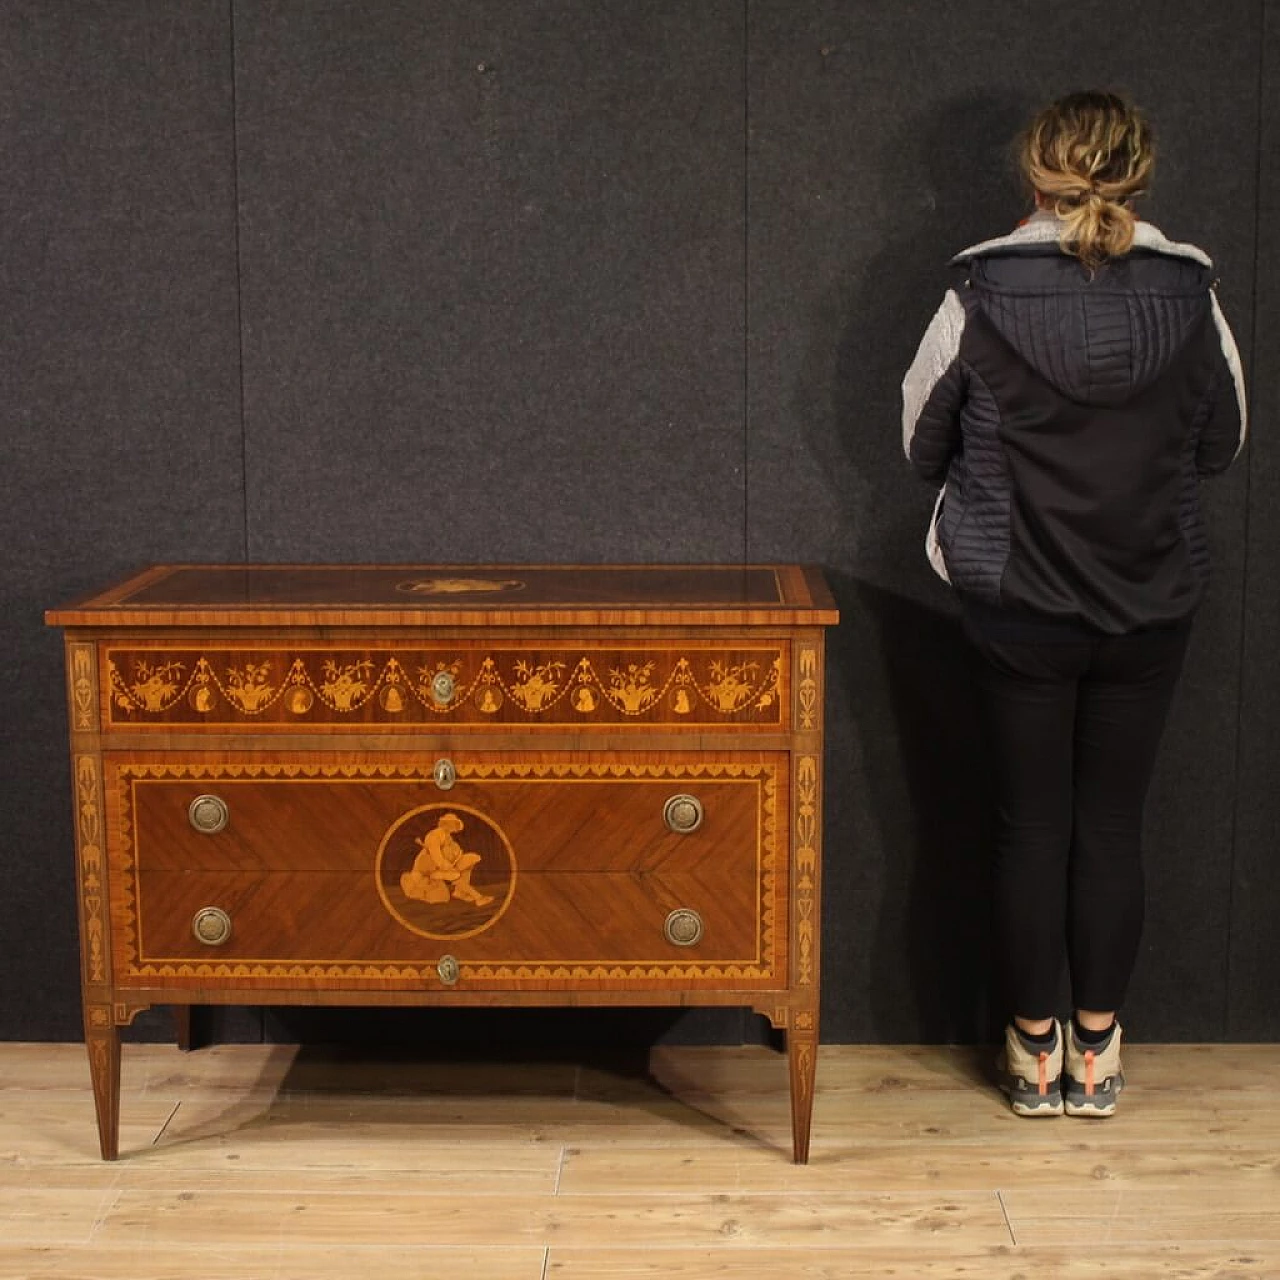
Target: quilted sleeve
933,392
1223,434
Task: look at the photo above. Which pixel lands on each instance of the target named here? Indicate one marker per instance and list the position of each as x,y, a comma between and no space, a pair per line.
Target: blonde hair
1089,154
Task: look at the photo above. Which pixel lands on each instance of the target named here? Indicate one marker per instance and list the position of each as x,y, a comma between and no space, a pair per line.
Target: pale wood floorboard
291,1259
261,1161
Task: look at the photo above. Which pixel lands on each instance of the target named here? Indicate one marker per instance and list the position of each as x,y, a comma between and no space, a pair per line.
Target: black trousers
1073,727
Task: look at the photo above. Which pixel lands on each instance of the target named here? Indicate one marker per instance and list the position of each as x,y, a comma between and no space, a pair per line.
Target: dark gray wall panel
492,279
1254,1007
879,145
118,390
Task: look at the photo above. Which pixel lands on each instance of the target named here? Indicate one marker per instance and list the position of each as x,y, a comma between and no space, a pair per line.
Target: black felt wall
491,270
591,281
119,391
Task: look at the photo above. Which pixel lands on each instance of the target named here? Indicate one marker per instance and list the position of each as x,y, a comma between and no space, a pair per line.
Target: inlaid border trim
89,846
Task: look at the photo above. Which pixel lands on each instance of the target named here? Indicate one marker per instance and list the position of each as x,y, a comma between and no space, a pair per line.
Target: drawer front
734,685
547,871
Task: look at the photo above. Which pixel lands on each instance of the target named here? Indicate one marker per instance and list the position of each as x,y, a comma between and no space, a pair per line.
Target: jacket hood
1100,339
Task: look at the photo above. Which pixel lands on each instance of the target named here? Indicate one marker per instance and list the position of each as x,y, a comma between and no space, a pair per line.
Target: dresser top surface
457,595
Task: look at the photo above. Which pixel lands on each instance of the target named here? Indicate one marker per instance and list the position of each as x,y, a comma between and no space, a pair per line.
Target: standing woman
1068,397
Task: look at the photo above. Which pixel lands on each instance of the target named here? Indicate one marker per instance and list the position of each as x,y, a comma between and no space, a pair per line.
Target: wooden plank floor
271,1163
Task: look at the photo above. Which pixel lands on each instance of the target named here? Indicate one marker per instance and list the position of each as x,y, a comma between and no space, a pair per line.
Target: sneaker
1031,1076
1093,1075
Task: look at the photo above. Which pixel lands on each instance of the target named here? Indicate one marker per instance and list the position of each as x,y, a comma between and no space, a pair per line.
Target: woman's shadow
908,824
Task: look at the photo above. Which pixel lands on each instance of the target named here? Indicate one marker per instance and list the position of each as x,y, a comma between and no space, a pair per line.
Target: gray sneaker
1032,1078
1093,1076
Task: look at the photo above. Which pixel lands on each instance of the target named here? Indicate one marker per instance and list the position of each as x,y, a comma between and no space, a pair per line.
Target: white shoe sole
1047,1108
1091,1110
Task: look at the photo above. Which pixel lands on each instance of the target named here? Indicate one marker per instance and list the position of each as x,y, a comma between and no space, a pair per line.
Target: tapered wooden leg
182,1026
802,1058
102,1039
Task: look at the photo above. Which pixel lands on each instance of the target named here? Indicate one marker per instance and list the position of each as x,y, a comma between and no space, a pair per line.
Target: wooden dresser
409,785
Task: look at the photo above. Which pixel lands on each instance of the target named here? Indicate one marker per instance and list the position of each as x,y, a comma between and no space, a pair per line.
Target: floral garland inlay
746,687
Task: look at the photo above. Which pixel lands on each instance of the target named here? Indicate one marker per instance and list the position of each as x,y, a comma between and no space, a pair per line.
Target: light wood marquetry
806,863
90,847
82,678
282,689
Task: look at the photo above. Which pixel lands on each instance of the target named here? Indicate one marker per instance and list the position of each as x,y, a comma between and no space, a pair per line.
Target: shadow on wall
904,686
903,672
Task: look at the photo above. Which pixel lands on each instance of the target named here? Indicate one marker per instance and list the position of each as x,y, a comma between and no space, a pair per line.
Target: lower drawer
538,871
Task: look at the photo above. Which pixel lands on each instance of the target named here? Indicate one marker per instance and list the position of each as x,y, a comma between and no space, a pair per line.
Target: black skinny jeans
1073,727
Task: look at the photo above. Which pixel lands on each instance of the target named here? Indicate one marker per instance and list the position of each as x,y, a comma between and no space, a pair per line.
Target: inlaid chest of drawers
458,785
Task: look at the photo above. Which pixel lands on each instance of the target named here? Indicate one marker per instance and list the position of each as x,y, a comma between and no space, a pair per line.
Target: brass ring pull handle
683,814
448,970
683,927
212,926
444,774
208,814
442,688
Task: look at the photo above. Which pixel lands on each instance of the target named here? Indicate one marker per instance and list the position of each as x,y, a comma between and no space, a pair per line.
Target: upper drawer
272,686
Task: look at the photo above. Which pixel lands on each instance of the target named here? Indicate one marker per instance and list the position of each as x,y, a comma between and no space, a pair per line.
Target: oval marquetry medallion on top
458,586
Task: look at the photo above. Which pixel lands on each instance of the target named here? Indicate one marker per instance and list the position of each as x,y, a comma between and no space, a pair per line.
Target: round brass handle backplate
448,970
683,927
683,814
212,926
208,814
442,687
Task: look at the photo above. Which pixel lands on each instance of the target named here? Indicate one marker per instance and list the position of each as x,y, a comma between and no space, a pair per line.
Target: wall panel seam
746,281
235,196
1228,1020
259,1014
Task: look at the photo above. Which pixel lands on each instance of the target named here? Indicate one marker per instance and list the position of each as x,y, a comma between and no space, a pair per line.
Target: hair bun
1089,154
